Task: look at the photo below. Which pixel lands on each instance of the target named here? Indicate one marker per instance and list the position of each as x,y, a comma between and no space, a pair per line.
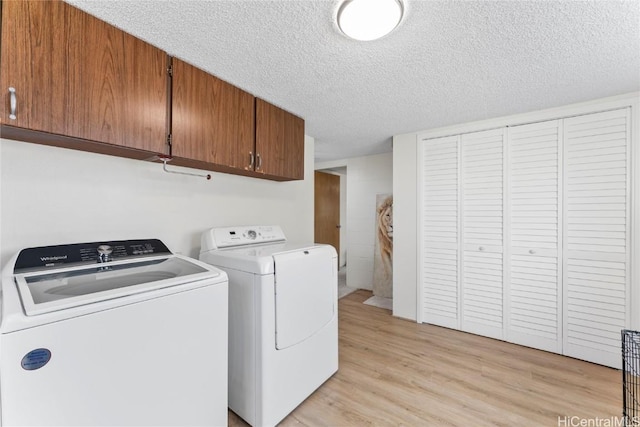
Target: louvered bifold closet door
439,231
597,235
482,231
534,293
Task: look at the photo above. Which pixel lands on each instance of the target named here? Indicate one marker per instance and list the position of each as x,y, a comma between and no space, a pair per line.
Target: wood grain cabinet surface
212,121
220,127
71,80
279,142
78,77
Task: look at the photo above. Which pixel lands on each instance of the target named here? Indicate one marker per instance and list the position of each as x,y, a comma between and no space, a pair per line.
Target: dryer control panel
226,237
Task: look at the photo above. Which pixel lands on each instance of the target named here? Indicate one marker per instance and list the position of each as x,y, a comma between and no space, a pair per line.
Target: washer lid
63,289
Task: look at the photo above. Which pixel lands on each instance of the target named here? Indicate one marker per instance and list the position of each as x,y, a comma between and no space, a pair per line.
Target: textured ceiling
448,62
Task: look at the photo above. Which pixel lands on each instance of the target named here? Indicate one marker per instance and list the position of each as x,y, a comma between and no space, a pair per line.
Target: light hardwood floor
395,372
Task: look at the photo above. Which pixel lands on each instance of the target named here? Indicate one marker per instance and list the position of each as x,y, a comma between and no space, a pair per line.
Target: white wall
52,195
405,209
366,177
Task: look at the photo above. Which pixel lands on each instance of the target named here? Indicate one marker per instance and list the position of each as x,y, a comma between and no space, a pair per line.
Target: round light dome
367,20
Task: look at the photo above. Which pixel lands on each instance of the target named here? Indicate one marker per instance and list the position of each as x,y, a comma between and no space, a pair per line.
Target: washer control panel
45,257
246,235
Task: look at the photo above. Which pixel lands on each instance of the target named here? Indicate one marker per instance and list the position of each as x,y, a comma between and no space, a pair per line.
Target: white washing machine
112,334
283,318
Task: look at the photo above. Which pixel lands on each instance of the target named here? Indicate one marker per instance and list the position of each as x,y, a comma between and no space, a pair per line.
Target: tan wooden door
327,209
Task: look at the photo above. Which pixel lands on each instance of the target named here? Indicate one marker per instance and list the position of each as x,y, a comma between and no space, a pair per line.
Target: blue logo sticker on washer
36,359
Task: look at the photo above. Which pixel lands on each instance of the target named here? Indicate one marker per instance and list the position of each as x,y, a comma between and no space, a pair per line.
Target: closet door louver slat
439,235
482,232
534,293
596,250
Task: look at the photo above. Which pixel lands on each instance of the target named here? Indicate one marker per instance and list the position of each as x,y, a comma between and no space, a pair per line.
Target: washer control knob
104,253
251,234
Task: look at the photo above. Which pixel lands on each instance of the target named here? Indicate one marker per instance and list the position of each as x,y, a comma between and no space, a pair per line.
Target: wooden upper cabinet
279,142
69,79
218,126
79,77
212,121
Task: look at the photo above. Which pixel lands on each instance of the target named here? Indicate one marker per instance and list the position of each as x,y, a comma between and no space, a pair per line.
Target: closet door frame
634,191
612,103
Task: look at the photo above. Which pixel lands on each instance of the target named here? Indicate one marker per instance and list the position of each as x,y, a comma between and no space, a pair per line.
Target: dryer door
306,289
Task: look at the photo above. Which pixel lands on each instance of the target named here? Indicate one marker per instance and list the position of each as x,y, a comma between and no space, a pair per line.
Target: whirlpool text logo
52,258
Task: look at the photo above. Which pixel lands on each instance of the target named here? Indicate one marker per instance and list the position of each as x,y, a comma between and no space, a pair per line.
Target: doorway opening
330,195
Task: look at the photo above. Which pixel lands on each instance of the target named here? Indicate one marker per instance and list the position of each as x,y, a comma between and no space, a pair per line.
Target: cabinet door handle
259,161
13,103
531,251
481,248
250,160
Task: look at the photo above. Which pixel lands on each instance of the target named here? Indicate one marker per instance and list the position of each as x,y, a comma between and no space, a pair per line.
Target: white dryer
112,333
283,318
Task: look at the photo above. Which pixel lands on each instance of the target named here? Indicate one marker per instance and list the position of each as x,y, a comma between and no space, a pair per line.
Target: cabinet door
212,120
482,232
279,142
534,291
77,76
597,237
439,232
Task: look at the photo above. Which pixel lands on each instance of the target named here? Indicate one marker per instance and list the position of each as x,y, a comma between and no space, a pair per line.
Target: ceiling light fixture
367,20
